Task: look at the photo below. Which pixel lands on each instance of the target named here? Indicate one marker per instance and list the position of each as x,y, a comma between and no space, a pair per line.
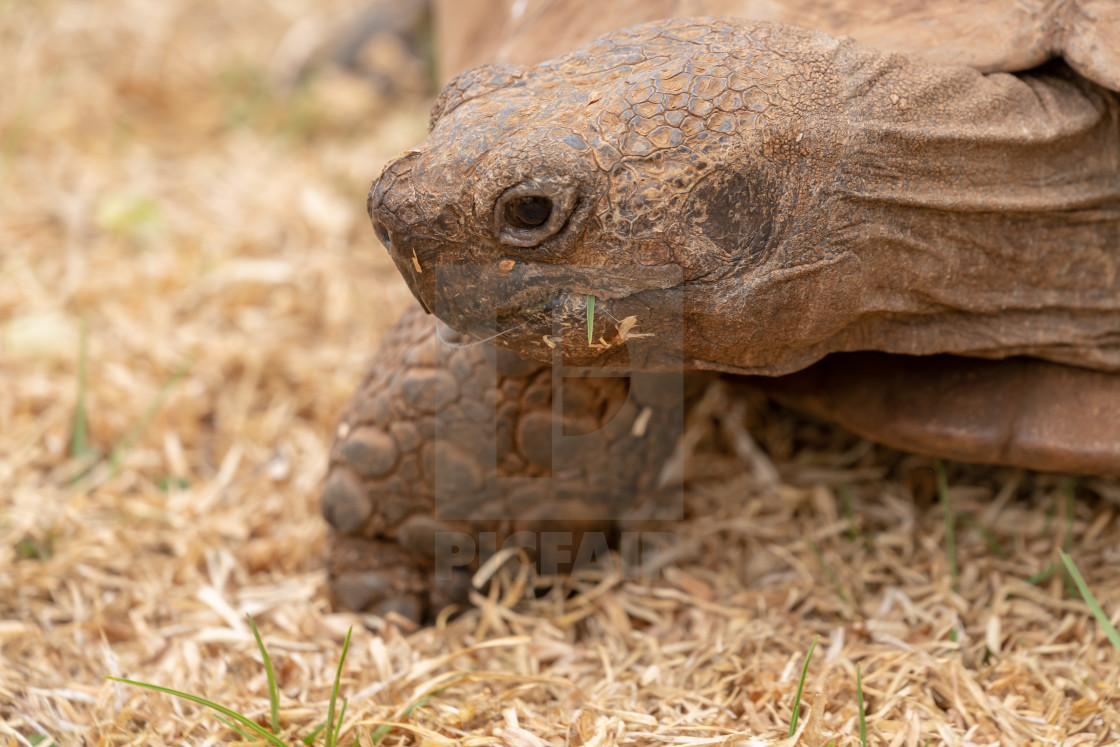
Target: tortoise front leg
446,454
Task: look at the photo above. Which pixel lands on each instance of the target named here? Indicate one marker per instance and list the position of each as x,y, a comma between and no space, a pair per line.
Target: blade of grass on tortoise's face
273,690
590,319
1094,606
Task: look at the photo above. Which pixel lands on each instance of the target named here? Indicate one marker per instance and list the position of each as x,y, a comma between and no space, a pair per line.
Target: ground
189,291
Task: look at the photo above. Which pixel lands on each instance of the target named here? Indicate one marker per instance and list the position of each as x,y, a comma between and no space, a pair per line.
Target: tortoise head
659,169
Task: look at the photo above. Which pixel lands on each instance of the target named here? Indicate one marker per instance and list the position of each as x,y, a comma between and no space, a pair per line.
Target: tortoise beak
378,227
387,211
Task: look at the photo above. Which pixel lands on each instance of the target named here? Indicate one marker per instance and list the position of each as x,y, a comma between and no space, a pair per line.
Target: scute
1018,412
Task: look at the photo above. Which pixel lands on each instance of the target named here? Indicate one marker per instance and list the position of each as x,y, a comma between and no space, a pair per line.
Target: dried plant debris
190,292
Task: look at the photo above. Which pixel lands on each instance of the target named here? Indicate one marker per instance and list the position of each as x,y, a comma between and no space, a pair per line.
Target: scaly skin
778,192
411,460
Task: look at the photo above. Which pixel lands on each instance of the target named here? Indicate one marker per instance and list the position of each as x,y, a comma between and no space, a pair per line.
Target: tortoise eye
530,211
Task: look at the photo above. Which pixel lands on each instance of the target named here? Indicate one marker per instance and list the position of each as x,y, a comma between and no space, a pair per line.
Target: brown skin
750,177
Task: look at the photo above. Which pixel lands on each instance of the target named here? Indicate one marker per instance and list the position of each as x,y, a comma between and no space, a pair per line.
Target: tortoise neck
958,213
987,208
953,139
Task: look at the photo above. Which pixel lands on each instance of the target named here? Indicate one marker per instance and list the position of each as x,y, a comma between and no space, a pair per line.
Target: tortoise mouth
534,324
577,329
473,293
537,308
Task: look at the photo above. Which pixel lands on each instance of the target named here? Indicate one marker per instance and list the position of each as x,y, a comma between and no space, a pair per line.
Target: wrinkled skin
776,193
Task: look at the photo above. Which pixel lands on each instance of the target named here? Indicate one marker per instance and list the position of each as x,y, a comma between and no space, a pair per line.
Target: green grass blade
1044,574
380,732
950,523
859,702
311,737
253,726
234,727
1067,542
993,544
79,437
1051,512
849,511
590,319
129,439
338,726
273,690
1091,601
1067,492
801,687
830,572
331,733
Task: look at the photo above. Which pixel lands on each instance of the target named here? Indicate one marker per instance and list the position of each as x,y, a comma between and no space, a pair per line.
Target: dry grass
161,181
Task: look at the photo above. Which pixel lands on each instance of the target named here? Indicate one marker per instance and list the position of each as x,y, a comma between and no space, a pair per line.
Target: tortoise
901,216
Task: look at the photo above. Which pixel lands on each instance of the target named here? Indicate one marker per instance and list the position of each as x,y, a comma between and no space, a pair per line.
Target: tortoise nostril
382,234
